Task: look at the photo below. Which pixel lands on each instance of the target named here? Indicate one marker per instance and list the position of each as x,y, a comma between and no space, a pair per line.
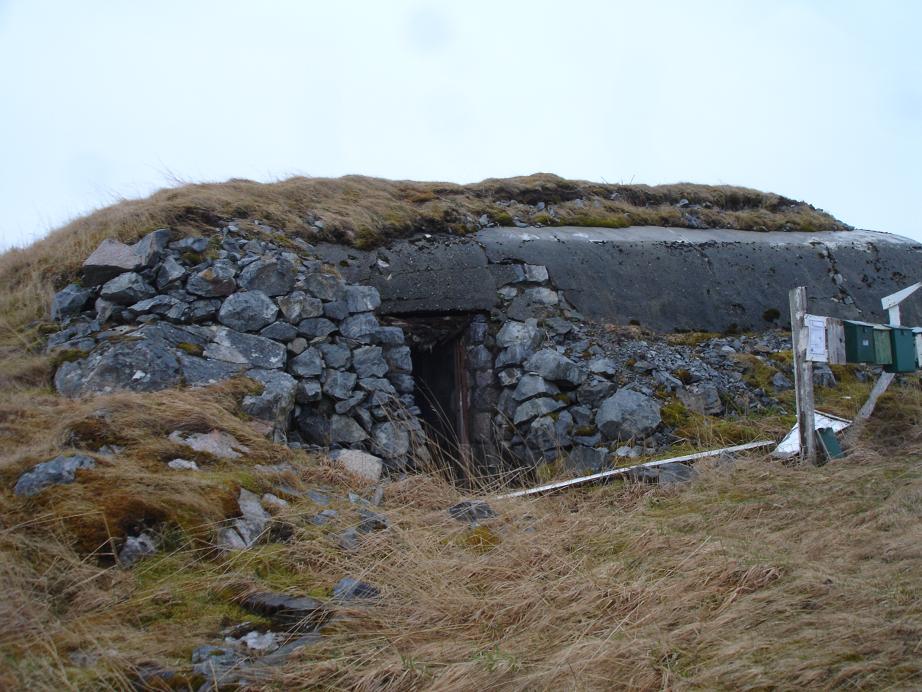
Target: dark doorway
442,390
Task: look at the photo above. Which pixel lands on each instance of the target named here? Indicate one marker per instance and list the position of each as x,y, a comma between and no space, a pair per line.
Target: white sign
817,349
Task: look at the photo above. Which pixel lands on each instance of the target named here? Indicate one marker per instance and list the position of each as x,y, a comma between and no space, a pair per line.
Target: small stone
61,469
325,286
781,383
336,355
345,431
554,367
628,414
297,306
360,326
530,386
349,589
135,548
371,521
273,501
217,443
338,384
171,272
182,465
280,331
308,391
368,361
315,327
362,298
274,277
471,511
297,345
308,364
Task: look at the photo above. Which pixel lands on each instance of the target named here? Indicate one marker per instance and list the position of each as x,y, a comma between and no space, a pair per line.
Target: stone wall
197,311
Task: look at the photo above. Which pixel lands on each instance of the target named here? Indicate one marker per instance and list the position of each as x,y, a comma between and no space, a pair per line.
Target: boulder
308,391
514,355
593,391
627,414
359,327
316,327
147,364
249,527
702,398
781,383
325,286
308,364
336,355
362,298
338,384
515,333
112,257
586,460
69,301
215,281
555,367
390,440
273,276
399,359
530,386
531,409
345,431
61,469
248,311
603,366
126,289
275,402
368,466
280,331
236,347
368,361
170,273
297,306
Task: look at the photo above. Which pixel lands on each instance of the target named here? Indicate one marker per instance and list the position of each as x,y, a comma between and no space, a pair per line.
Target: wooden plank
817,350
602,475
879,388
835,341
803,374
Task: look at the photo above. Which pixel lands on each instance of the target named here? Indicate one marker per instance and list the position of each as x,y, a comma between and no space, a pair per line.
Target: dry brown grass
756,575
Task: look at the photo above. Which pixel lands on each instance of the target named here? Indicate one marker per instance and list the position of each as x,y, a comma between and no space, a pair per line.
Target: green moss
190,348
192,258
674,413
67,355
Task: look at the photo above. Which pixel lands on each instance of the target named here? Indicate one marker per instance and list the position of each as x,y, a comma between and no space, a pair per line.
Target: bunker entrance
440,375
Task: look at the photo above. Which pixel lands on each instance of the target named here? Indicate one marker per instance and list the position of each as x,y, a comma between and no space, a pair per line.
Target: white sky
820,101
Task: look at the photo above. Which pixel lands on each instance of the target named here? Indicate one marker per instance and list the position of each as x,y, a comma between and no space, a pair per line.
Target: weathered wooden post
803,375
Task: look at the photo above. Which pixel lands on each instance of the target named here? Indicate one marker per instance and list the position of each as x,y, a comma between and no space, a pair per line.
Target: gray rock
823,375
541,296
315,327
275,402
399,359
359,463
248,311
603,366
69,301
349,539
558,325
308,391
781,383
593,391
701,398
377,384
586,460
543,434
195,243
274,277
555,367
531,409
314,426
249,527
325,286
530,386
470,511
200,372
182,465
203,310
402,382
515,333
158,305
345,406
349,589
147,364
236,347
388,336
479,357
323,517
297,306
535,273
136,548
280,331
216,443
61,469
345,431
371,521
336,310
336,355
362,298
297,345
112,258
514,355
298,612
627,414
359,327
368,361
390,440
126,289
170,273
308,364
215,281
338,384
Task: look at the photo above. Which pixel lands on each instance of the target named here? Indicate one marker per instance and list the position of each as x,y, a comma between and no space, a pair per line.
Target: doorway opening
440,374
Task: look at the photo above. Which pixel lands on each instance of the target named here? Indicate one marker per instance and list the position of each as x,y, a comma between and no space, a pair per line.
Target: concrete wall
664,278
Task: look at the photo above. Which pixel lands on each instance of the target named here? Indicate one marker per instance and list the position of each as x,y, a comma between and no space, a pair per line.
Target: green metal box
883,349
903,346
859,342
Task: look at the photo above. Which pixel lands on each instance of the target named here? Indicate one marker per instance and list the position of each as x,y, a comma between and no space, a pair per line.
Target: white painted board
817,349
790,445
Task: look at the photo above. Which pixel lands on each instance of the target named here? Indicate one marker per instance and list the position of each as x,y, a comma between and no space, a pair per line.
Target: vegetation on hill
369,211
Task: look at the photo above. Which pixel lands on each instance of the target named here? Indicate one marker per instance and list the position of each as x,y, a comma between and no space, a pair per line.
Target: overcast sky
820,101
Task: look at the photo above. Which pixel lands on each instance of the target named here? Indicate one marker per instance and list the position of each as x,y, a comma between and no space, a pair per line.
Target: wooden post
803,375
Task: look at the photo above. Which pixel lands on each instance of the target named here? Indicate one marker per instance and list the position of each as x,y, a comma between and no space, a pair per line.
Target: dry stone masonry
196,311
